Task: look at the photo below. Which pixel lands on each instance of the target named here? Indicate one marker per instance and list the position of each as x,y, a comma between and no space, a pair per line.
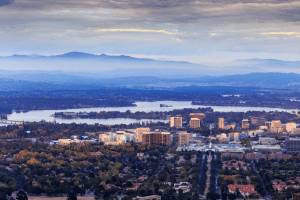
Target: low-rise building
151,197
267,141
245,190
267,148
221,135
254,133
276,156
185,186
296,131
224,140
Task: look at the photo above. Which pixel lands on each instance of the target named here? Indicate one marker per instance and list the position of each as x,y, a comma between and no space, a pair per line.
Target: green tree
231,196
21,195
72,195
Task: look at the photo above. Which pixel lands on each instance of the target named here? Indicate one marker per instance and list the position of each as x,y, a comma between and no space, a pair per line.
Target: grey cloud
178,11
5,2
133,4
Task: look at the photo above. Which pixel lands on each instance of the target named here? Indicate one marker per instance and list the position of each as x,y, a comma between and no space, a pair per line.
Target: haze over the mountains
108,66
76,70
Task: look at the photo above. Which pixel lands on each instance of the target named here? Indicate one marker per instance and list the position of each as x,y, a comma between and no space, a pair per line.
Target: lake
39,115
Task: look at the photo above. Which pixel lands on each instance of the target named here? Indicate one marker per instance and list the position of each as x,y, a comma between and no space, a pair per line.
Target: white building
254,133
296,131
185,186
267,140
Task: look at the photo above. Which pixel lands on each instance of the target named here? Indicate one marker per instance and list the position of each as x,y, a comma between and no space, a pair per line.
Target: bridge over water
4,121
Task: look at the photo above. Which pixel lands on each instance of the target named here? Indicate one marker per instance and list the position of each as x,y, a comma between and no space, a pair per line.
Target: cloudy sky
211,31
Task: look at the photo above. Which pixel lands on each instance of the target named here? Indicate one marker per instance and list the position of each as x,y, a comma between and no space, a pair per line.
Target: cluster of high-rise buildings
194,120
260,123
140,135
271,126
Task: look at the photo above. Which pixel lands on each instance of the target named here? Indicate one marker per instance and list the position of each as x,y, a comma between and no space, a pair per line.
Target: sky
206,31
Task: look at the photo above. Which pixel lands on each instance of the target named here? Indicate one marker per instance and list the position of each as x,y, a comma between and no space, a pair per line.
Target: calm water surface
141,106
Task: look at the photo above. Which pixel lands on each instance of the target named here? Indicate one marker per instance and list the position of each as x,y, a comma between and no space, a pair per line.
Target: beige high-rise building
176,122
290,126
139,133
194,123
221,123
276,124
245,124
183,138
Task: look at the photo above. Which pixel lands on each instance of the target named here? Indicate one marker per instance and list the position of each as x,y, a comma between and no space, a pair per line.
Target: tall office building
176,122
234,136
245,124
163,138
194,123
183,138
221,123
147,138
276,124
139,132
292,145
166,138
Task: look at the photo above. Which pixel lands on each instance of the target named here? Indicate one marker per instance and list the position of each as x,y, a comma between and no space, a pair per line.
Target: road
217,189
208,173
198,185
162,168
257,174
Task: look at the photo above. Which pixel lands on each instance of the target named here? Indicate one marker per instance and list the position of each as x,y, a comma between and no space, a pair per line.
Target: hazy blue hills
77,61
72,66
112,66
59,80
267,63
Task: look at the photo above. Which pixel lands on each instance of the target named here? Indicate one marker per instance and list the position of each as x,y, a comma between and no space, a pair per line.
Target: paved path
209,158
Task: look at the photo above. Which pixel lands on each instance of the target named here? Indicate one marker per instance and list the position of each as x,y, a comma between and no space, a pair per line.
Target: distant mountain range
76,70
111,66
108,66
58,80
